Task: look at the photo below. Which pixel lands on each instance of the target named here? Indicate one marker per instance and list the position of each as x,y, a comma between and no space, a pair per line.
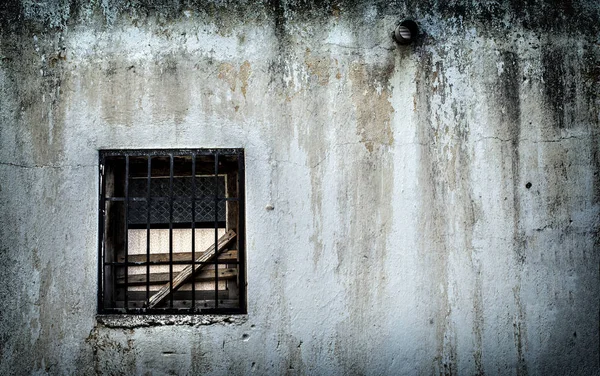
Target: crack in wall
58,167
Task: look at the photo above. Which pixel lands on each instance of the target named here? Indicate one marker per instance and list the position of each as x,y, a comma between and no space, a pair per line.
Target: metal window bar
148,203
170,231
241,231
216,258
158,263
193,307
126,234
101,214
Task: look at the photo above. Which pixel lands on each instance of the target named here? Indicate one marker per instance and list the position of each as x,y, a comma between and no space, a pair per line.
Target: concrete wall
436,206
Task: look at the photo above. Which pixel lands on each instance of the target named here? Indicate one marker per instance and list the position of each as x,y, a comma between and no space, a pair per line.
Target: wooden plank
177,295
183,304
201,276
230,256
186,273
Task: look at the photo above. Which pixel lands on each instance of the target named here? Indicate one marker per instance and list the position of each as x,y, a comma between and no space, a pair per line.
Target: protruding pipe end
406,32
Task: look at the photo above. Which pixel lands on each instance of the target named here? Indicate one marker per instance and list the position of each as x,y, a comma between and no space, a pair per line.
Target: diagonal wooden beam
230,255
189,271
206,275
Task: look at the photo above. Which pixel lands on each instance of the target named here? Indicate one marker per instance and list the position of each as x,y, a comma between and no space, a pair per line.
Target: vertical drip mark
511,116
479,322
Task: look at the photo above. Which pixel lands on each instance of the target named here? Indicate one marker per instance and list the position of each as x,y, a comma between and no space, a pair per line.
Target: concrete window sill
139,321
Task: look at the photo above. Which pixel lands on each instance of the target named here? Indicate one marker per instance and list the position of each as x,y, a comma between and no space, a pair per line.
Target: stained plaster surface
435,206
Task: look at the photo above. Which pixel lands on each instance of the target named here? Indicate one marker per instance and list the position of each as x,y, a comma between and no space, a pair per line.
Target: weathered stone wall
436,206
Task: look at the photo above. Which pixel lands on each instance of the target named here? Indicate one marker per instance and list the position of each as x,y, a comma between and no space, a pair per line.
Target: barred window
171,231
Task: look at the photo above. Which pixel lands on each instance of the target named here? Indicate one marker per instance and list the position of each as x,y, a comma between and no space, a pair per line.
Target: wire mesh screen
206,188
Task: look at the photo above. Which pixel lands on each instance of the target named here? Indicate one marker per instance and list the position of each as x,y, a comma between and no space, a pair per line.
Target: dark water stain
560,86
10,15
570,83
433,216
554,86
546,16
478,324
510,91
39,81
591,90
509,100
575,242
277,67
520,333
439,81
314,6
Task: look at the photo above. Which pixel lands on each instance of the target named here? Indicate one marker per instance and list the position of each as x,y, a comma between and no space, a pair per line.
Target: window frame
103,218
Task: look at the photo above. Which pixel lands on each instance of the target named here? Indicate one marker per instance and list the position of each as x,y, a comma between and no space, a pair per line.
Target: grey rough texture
435,207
